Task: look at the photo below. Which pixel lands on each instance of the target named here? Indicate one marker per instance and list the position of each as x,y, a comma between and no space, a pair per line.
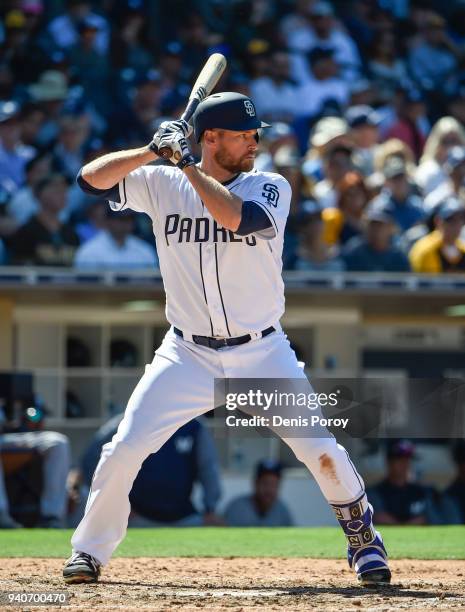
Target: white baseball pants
177,387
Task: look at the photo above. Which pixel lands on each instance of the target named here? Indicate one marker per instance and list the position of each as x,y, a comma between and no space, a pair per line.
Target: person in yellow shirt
343,222
442,250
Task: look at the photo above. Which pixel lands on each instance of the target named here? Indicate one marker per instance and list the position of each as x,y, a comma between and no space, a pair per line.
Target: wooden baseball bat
203,86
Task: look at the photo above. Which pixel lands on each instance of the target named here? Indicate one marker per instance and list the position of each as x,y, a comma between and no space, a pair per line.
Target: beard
231,164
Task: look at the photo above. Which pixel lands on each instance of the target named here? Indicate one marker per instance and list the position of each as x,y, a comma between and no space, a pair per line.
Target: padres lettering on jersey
217,283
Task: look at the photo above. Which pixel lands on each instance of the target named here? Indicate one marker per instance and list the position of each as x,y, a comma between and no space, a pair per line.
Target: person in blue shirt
162,491
261,508
375,251
407,207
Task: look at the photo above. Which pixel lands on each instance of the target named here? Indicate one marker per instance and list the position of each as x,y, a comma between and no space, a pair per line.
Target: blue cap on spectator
268,466
380,209
400,448
362,114
8,110
450,207
455,157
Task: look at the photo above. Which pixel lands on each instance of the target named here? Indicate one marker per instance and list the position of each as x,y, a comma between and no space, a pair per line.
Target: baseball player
219,227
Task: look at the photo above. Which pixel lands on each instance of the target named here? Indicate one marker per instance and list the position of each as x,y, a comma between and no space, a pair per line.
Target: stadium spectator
345,221
132,125
433,61
261,508
115,246
324,84
68,152
13,153
91,67
162,492
394,148
50,93
442,250
95,221
327,133
32,119
322,31
313,253
279,135
456,490
387,70
275,96
375,251
337,160
411,124
363,123
23,205
44,240
64,29
407,206
20,45
454,168
397,500
445,134
129,45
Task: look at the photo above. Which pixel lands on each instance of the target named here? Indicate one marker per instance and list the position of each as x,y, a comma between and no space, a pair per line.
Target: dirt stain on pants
327,468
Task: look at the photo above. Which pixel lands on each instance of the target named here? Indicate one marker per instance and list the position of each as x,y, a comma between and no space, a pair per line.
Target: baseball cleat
81,567
374,578
370,562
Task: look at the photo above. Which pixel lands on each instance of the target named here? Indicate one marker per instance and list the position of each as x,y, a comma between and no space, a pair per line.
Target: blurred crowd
366,100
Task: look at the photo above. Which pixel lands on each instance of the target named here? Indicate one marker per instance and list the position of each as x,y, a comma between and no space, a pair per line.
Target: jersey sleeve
272,193
134,191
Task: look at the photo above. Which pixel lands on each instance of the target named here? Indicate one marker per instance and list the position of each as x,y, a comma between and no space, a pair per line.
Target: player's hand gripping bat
206,81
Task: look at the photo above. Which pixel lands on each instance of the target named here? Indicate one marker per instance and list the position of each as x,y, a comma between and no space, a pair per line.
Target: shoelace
86,557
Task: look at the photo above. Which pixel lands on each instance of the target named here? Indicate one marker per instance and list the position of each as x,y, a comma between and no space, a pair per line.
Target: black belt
217,343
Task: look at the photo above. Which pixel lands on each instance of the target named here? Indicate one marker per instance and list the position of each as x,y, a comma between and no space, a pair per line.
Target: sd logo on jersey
271,194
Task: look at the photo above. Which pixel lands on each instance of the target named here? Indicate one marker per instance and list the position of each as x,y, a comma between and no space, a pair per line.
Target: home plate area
246,584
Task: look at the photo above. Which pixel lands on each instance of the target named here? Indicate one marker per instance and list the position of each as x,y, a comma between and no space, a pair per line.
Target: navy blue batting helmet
226,111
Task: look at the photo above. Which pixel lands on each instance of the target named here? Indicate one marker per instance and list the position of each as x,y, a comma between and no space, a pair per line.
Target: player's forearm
108,170
224,206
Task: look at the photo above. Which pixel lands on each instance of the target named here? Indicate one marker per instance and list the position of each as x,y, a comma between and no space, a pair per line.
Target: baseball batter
219,227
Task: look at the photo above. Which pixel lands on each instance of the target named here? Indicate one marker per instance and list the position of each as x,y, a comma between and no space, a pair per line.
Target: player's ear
209,137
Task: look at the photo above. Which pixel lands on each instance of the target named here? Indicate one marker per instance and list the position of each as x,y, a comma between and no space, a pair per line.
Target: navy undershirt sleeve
109,194
254,219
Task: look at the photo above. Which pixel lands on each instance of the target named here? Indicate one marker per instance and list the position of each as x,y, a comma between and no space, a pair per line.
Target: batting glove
169,127
181,154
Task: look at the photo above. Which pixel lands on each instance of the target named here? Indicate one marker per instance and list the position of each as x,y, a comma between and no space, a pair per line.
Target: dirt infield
242,585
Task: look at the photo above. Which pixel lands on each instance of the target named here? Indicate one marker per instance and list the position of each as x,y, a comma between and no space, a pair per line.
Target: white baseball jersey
217,283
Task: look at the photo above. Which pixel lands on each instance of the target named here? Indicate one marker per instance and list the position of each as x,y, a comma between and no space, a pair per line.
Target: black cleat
374,578
81,567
